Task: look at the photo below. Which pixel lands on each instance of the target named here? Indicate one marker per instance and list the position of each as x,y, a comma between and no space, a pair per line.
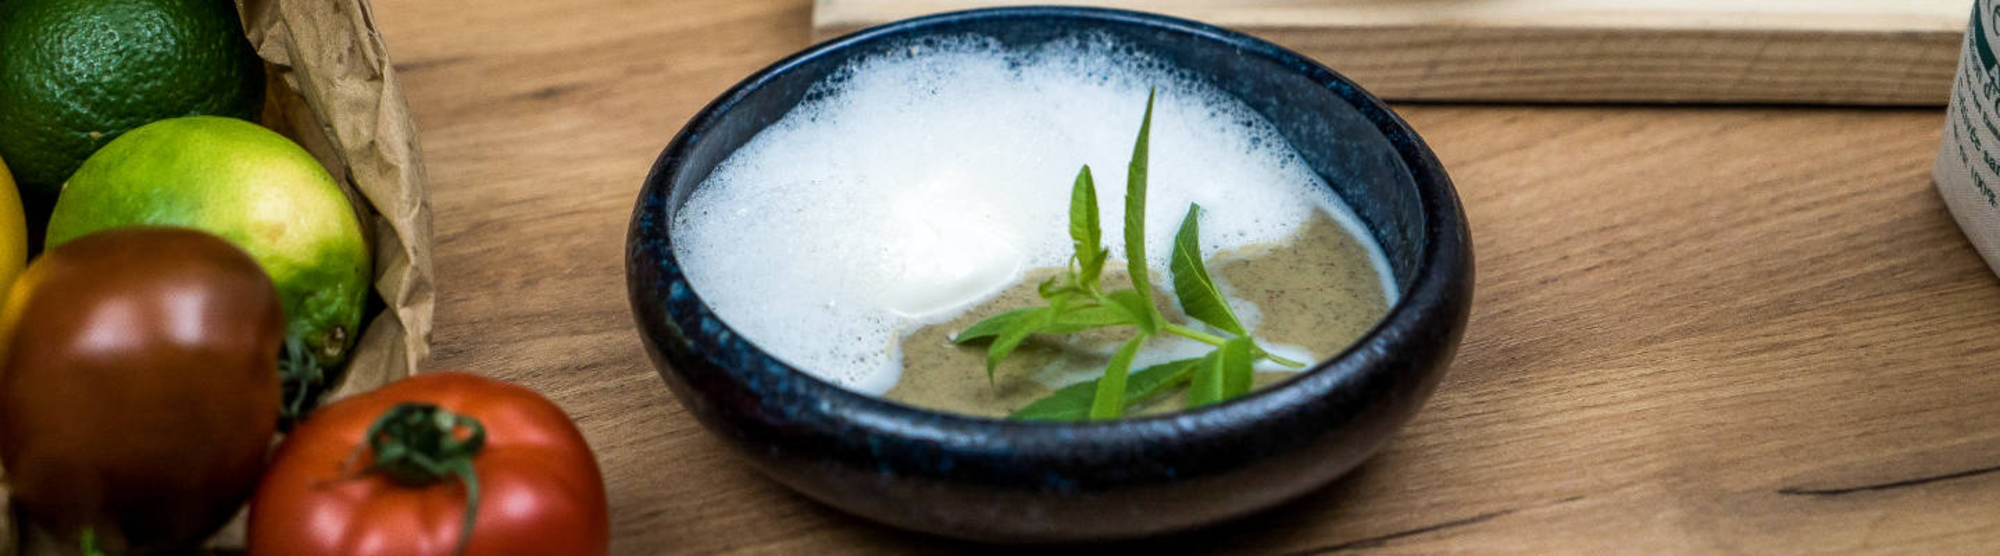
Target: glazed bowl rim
1439,262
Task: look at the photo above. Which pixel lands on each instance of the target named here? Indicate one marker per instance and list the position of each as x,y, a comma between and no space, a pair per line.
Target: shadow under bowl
994,480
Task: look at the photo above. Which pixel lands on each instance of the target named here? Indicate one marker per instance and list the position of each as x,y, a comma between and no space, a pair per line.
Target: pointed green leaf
1012,336
1059,302
1072,403
1152,380
1199,296
1079,319
1053,287
1236,374
1206,386
1139,307
1135,213
993,325
1109,401
1222,375
1085,232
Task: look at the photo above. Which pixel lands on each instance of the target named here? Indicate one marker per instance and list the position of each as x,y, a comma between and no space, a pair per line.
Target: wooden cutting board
1870,52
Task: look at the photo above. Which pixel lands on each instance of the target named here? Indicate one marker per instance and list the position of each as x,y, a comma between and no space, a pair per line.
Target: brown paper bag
332,90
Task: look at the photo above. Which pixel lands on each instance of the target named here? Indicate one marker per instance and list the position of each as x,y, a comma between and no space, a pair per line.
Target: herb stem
1217,341
1280,360
1193,334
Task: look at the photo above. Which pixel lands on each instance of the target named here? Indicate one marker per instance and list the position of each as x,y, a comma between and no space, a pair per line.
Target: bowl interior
1333,136
1360,149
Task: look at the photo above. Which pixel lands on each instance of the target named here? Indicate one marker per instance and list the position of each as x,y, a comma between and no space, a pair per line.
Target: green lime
74,74
251,186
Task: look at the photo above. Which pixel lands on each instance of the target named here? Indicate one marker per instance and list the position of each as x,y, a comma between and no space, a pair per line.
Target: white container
1967,172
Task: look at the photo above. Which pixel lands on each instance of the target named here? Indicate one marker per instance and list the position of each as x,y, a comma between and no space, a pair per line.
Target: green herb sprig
1076,302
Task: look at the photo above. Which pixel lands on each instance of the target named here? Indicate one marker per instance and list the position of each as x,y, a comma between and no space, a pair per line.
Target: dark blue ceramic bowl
1005,481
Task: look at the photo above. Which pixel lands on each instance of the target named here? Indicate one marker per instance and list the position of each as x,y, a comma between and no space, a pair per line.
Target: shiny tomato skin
541,492
140,387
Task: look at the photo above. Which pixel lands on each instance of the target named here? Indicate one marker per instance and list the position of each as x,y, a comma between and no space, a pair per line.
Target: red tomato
539,488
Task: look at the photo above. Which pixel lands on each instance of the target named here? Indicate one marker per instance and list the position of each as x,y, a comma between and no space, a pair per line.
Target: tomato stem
301,375
419,444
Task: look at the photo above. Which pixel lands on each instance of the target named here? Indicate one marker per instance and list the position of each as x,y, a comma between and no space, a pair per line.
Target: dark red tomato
140,389
403,492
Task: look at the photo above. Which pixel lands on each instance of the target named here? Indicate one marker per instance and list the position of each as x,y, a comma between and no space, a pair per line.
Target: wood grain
1877,52
1697,330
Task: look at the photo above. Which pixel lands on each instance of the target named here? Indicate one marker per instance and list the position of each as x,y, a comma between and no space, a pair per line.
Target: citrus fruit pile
176,281
137,112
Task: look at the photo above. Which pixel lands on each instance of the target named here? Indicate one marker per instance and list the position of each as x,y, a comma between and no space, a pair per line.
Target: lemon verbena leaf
1236,355
1206,386
1085,232
1138,307
1013,334
1078,319
1109,400
1200,298
1135,215
1072,403
992,326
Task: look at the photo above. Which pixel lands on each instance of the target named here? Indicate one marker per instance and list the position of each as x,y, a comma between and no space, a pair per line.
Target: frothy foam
914,185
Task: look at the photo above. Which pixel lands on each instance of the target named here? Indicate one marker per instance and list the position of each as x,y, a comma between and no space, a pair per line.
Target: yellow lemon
13,231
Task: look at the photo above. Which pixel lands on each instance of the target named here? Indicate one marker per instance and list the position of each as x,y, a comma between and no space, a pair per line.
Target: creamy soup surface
915,193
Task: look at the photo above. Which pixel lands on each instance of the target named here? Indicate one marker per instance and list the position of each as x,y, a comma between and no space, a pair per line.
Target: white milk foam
912,186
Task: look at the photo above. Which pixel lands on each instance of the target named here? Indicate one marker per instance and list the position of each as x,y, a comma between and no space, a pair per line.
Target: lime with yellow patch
251,186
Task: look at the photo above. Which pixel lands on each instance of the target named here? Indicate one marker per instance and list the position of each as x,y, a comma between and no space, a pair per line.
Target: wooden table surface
1697,329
